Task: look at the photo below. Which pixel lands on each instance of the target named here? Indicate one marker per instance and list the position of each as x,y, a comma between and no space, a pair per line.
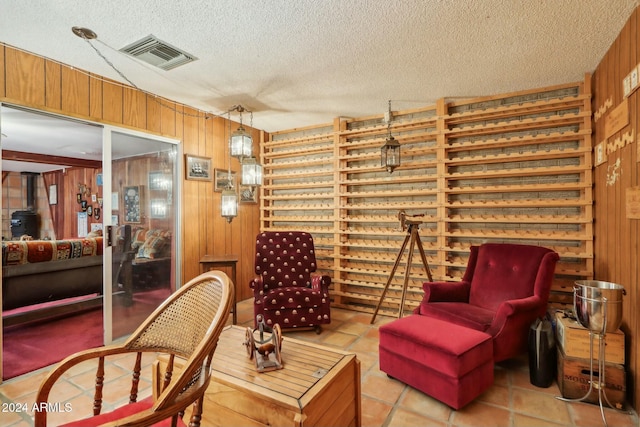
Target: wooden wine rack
511,168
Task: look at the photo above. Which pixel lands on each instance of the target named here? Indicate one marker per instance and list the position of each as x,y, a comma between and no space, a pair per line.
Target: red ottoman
448,362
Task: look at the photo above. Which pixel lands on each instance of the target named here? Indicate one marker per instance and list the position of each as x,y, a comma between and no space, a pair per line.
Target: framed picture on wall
132,201
197,168
248,194
223,180
53,194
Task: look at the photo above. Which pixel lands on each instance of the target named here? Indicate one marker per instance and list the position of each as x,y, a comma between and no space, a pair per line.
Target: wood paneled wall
617,237
35,82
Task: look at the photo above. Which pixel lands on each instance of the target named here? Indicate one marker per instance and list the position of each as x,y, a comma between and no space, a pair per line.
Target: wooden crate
573,380
573,339
318,386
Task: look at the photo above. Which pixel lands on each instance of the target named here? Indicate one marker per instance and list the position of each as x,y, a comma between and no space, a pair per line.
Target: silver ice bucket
598,305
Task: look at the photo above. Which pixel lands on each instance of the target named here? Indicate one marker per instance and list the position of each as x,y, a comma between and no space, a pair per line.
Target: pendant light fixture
241,141
390,151
229,199
251,172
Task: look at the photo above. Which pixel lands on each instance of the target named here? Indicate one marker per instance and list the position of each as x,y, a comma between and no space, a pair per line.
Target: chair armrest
446,291
257,285
45,388
525,308
320,282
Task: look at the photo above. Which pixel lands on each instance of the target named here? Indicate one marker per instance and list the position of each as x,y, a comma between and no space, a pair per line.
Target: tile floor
511,401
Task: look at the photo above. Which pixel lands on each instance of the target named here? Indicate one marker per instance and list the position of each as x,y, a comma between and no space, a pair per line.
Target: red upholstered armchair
504,289
285,290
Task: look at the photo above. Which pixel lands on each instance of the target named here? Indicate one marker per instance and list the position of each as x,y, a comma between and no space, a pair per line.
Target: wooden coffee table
318,386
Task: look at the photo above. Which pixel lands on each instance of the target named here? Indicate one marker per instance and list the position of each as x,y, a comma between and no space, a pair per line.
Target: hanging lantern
390,151
390,154
241,143
229,204
251,172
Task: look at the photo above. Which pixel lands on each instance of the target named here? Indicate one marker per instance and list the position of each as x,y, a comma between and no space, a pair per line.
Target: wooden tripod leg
414,234
393,272
424,259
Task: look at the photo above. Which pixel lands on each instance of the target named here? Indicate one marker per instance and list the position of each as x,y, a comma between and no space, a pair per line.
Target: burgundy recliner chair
285,290
504,289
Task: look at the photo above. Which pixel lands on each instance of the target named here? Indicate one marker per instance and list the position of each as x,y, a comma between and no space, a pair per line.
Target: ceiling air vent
158,53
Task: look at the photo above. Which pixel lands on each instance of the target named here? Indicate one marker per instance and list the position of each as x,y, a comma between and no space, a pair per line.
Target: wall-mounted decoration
198,168
617,119
53,194
248,194
83,224
99,179
83,205
223,180
603,109
132,199
633,202
90,210
159,180
96,213
620,142
114,201
600,155
158,208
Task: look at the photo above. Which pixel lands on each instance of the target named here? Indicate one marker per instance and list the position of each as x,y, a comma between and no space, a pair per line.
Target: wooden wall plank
3,72
168,115
617,237
75,92
53,85
25,77
154,114
112,102
95,97
134,111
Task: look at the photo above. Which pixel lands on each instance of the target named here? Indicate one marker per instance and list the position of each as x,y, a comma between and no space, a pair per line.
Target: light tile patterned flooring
512,401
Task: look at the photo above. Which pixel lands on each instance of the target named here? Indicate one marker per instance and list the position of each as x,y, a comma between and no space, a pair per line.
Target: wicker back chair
187,325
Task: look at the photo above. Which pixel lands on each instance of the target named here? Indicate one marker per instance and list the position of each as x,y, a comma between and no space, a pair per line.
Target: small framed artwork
224,180
600,155
53,194
248,194
158,208
159,180
132,199
114,201
198,168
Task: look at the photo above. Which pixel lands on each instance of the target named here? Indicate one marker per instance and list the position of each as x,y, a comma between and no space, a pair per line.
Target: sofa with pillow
45,271
151,264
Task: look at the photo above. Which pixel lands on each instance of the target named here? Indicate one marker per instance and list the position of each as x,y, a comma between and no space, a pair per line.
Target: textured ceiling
299,63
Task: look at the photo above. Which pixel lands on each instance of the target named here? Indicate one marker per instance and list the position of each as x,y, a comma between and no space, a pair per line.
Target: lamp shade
251,171
241,143
390,154
229,204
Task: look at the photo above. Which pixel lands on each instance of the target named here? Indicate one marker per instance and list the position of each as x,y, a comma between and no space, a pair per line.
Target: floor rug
35,345
32,346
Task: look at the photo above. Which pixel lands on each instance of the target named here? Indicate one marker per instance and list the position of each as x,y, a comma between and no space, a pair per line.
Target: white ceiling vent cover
158,53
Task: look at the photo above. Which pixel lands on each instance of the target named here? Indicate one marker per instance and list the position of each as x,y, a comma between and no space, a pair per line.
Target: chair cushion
463,314
504,272
121,412
293,297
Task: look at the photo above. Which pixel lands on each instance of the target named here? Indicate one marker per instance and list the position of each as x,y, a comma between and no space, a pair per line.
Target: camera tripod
411,224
